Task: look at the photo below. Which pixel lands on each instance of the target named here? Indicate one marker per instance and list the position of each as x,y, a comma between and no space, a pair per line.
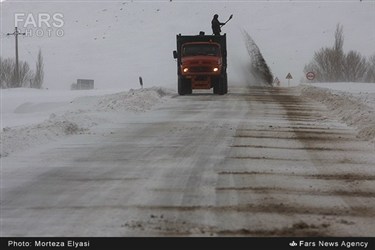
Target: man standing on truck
216,24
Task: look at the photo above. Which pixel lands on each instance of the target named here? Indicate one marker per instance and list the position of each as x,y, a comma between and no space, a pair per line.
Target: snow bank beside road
355,106
79,116
133,100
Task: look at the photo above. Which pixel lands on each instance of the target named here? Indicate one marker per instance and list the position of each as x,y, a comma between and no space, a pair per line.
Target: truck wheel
181,88
220,84
216,81
225,84
188,87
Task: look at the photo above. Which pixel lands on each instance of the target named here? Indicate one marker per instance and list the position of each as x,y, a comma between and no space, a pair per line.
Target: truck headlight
215,69
186,70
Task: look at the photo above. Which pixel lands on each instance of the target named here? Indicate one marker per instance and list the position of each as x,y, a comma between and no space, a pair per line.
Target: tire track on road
320,145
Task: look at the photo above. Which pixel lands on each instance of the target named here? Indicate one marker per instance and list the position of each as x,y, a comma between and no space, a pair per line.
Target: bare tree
325,64
2,74
337,56
8,77
339,38
25,75
333,65
355,67
7,72
370,73
37,82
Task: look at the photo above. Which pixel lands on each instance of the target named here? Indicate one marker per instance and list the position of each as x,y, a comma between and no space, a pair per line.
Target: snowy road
255,162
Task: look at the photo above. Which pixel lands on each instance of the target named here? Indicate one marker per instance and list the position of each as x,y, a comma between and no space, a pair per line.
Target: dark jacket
215,24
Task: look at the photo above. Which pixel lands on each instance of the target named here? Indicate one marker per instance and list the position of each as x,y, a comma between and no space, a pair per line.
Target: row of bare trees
26,77
331,64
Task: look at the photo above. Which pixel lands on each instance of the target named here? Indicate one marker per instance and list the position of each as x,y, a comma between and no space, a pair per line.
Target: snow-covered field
25,106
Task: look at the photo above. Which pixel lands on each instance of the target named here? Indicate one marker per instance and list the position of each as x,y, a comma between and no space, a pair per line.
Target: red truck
201,63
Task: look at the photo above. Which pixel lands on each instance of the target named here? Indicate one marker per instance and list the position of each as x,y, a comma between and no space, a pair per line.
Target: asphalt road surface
255,162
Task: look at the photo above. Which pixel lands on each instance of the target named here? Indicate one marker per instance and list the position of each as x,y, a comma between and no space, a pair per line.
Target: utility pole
16,33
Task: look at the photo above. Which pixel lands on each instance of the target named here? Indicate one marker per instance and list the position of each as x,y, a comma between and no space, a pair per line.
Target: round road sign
310,75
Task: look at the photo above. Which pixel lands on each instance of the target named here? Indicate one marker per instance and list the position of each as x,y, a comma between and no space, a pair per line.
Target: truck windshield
200,49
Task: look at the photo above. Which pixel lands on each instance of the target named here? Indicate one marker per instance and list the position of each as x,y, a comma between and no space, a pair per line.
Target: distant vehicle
82,84
201,63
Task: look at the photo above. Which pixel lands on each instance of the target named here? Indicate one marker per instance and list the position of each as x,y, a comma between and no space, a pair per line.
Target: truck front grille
200,69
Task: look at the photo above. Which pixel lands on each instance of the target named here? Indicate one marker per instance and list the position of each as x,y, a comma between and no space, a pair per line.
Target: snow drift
356,110
82,114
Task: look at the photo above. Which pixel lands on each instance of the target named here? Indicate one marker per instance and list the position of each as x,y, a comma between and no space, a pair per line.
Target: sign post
289,76
277,82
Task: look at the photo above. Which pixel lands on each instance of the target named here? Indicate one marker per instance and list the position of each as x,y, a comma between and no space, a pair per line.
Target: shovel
228,19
